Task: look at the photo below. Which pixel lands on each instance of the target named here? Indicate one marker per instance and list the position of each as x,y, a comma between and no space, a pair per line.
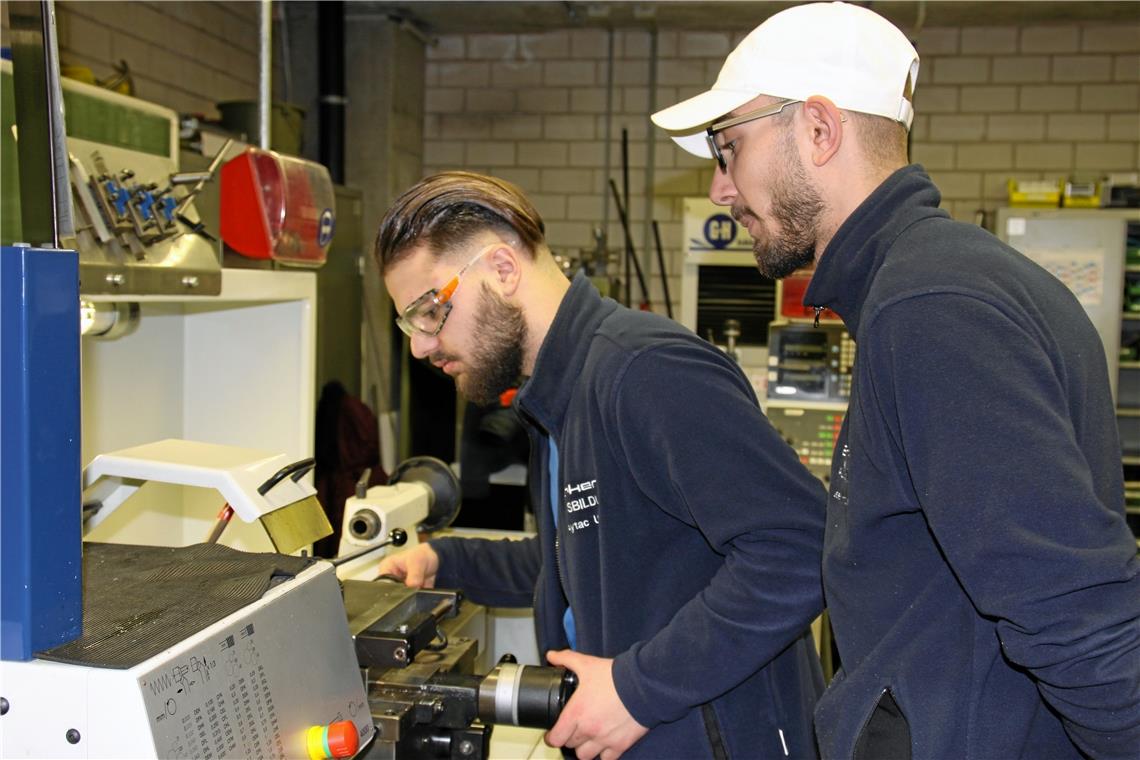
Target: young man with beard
676,566
981,579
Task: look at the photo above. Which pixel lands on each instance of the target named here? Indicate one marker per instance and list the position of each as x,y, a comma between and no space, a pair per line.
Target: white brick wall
561,76
993,103
1059,101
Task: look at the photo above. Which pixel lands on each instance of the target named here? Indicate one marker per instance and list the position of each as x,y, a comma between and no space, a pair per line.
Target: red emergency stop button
338,739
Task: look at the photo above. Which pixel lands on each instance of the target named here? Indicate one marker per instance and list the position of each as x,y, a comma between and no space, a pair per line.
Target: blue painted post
41,602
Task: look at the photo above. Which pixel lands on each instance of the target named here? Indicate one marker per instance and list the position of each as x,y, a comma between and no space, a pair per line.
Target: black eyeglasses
720,126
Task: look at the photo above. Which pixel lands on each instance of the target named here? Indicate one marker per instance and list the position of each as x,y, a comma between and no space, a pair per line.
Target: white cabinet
236,369
1097,253
1084,248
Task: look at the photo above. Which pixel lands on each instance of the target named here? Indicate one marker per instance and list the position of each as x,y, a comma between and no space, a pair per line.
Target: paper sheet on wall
1082,270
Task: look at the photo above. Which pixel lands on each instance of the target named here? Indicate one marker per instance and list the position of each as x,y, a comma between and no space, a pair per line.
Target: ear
506,263
825,123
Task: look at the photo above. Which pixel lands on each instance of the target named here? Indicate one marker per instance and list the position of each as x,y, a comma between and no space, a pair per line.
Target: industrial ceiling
518,17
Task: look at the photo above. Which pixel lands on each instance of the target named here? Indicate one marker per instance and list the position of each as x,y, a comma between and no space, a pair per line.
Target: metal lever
184,204
396,537
362,483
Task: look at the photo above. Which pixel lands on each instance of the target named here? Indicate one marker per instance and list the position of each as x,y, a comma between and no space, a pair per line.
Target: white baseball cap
846,53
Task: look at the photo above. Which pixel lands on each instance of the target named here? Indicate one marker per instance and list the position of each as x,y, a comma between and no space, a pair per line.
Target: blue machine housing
40,489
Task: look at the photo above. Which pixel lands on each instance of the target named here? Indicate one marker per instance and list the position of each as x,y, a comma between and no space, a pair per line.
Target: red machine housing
277,207
791,298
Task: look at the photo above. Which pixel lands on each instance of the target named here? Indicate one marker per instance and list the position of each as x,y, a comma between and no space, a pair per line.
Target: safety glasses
427,314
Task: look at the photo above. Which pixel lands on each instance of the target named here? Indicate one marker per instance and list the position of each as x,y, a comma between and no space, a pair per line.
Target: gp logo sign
720,231
325,227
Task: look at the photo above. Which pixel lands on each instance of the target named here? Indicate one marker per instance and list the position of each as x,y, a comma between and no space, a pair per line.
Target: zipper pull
818,311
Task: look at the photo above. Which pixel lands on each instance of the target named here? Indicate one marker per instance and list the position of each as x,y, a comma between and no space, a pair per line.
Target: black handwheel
442,484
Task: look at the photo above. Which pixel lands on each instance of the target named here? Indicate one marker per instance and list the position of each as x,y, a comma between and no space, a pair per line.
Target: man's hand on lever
416,567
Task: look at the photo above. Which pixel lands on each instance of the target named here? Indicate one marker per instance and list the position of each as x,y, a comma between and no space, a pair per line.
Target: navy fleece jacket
688,537
981,580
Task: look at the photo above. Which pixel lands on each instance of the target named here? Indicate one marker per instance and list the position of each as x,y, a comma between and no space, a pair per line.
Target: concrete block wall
993,103
1034,102
183,55
532,108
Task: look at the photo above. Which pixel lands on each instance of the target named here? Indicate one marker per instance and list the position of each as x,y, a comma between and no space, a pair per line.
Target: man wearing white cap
981,579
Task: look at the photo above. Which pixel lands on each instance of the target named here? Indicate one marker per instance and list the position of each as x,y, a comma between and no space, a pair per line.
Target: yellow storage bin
1035,193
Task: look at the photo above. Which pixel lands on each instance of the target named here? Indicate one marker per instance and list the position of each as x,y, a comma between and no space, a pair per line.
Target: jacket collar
562,355
845,271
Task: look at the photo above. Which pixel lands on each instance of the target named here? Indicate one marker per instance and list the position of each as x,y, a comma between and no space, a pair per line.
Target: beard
796,209
496,354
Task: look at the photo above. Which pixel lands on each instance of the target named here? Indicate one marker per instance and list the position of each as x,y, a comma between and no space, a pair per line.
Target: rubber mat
141,600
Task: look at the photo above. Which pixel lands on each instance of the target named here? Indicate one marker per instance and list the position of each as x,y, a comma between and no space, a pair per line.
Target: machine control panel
809,385
216,704
242,692
807,363
252,684
811,431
